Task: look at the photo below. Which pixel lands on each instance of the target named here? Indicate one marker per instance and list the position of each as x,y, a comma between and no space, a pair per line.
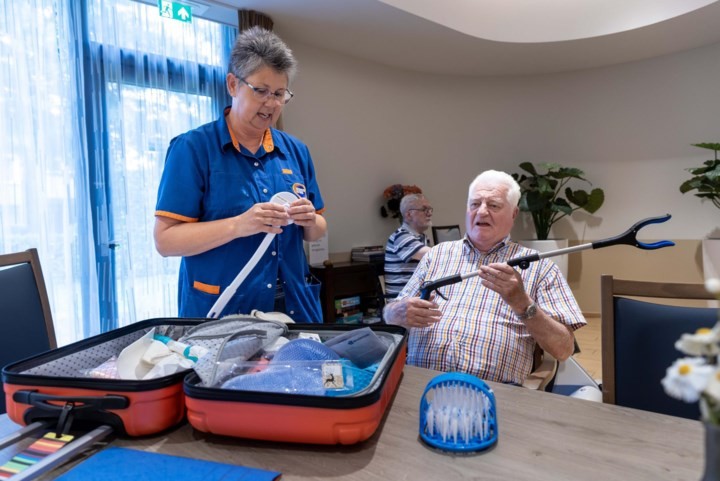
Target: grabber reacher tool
629,237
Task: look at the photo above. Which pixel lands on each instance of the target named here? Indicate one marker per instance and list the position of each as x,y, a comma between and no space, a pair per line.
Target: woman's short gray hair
256,48
499,178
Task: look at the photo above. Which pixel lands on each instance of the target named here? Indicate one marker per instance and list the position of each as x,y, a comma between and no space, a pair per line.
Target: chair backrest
442,233
26,326
638,341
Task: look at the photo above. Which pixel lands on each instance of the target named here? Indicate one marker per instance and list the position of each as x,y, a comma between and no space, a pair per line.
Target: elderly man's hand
507,282
414,312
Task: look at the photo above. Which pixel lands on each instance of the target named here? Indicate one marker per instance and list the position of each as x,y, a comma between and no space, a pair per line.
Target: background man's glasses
426,210
262,94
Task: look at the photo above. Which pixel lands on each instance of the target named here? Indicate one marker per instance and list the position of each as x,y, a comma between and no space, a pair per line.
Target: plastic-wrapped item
315,378
106,370
229,341
362,346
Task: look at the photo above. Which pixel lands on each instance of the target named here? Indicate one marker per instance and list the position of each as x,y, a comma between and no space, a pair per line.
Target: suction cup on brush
457,414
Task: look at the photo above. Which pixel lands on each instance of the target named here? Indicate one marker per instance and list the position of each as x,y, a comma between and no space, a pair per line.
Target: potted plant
542,195
542,198
706,181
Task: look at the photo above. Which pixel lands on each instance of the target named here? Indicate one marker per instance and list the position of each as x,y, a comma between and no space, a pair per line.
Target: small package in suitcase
81,378
319,383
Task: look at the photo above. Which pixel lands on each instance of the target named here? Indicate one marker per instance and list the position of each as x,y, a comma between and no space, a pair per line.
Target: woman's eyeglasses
282,96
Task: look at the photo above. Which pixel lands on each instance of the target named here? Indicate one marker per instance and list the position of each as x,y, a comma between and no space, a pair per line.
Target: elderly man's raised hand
506,281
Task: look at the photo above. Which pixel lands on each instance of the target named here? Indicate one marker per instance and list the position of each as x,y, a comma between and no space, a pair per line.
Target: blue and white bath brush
457,413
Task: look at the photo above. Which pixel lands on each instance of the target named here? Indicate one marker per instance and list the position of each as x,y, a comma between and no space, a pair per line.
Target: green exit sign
175,11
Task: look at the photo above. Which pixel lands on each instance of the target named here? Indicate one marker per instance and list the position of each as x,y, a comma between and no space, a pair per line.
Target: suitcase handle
43,401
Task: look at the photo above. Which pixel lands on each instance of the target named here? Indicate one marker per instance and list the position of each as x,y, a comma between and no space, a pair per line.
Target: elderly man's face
489,216
419,215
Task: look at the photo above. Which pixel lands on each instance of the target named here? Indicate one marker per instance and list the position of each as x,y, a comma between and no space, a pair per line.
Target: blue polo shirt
207,178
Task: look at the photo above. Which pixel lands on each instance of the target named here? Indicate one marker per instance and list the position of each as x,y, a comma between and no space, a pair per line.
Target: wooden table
542,436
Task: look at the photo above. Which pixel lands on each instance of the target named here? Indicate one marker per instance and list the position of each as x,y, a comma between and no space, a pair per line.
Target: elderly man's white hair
408,201
501,178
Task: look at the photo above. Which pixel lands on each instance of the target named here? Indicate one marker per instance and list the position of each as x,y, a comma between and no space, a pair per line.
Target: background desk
346,279
542,436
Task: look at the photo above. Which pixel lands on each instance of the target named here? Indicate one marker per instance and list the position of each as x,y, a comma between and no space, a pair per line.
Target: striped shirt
399,264
479,333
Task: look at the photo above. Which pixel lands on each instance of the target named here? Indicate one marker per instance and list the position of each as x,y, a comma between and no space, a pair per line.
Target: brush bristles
457,412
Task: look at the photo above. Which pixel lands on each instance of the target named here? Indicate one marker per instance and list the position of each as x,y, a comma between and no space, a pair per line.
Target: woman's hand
302,212
265,217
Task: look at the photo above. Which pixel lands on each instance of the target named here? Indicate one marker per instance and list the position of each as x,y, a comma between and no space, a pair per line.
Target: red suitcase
301,418
40,387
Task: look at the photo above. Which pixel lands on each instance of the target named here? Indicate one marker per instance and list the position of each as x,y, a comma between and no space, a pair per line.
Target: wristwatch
529,312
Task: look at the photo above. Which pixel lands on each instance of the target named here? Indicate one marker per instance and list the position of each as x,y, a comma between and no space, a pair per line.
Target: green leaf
596,200
528,167
579,197
708,145
561,205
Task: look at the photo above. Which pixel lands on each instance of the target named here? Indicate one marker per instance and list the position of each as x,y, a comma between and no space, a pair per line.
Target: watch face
529,312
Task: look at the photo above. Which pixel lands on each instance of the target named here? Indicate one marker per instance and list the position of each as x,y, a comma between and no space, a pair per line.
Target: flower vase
712,452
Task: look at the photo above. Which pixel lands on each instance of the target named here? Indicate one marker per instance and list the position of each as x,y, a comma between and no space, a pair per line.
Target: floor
588,339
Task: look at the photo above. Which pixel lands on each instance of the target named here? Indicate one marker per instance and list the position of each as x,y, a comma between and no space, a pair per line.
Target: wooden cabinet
346,279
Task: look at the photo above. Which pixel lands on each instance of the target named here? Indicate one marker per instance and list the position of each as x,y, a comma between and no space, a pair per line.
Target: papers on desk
123,464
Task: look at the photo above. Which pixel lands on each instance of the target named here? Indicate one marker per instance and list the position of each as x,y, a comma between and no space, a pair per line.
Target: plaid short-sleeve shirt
479,333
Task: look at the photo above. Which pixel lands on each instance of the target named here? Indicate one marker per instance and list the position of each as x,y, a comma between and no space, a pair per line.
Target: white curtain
93,91
44,196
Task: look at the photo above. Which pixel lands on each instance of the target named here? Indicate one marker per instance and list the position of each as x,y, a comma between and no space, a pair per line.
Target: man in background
408,244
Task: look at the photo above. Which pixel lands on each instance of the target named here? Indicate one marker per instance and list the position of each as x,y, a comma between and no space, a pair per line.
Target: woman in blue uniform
214,208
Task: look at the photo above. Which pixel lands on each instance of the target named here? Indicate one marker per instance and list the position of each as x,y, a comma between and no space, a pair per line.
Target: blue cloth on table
121,464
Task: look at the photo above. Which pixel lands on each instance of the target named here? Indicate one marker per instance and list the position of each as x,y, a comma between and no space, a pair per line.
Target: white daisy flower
713,387
704,342
713,286
687,378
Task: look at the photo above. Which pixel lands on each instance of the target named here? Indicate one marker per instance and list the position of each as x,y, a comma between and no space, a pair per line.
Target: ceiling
486,37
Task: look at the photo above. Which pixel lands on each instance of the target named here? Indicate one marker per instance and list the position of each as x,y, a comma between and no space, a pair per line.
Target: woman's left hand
302,212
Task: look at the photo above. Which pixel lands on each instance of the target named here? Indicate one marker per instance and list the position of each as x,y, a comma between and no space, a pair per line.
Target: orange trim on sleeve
207,288
163,213
321,211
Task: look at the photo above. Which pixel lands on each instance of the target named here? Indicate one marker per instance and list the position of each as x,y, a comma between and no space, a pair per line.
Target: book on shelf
368,257
368,249
368,254
346,304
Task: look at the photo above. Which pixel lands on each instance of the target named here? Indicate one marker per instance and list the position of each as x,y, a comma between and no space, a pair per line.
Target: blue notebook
122,464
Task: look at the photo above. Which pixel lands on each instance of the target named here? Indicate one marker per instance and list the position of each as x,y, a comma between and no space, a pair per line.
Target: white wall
629,127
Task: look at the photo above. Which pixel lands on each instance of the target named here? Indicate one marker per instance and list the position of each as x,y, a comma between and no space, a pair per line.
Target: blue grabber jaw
629,237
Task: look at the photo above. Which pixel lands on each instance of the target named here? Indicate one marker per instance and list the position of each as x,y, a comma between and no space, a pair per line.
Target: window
93,91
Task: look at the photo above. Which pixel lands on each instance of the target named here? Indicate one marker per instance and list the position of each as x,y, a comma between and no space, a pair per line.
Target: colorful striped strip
34,453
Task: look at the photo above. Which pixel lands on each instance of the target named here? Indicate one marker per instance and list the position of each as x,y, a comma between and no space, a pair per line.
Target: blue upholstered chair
638,340
26,326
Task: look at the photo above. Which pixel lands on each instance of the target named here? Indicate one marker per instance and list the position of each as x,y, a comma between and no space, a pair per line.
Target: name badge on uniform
299,190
